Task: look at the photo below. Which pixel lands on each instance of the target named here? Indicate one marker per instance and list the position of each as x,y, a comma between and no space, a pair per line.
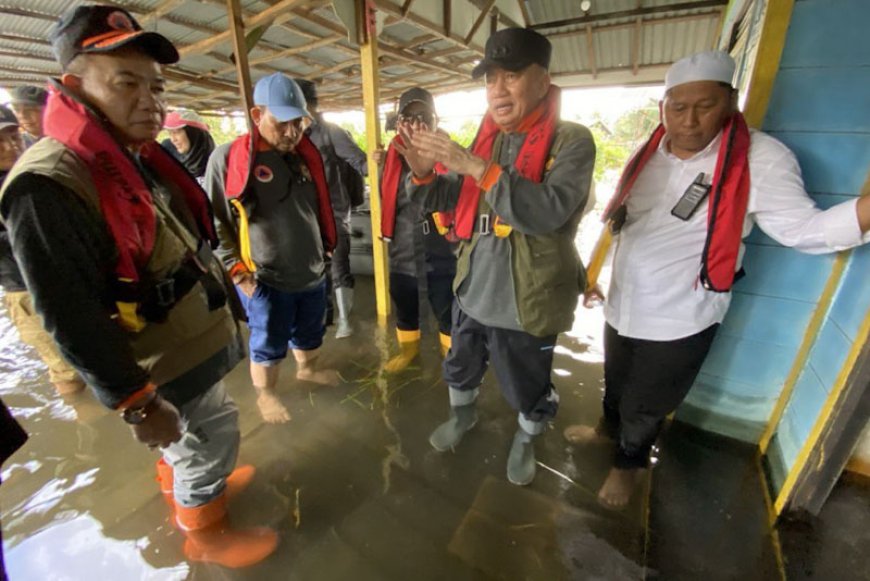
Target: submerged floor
356,492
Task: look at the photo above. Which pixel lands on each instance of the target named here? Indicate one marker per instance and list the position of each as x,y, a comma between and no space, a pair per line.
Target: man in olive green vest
517,195
113,238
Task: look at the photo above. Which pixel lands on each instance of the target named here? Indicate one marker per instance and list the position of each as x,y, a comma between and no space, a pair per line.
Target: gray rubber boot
344,302
521,465
449,434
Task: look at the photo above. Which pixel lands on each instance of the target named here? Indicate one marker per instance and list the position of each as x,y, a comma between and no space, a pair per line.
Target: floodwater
356,492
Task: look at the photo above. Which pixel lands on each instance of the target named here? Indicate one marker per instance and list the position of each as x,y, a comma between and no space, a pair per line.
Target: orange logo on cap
119,21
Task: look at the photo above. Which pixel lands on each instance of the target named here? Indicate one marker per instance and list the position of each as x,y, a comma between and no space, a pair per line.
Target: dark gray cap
29,95
513,49
416,94
7,118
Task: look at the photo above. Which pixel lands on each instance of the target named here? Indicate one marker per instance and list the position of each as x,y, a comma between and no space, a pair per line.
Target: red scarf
530,162
240,167
390,190
726,204
125,200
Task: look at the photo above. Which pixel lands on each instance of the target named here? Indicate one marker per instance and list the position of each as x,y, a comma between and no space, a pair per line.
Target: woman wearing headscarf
189,141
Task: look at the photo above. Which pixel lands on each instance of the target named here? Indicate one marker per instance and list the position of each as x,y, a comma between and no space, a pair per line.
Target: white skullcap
713,65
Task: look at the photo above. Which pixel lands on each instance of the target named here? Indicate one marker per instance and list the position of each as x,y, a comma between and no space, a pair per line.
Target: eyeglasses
422,118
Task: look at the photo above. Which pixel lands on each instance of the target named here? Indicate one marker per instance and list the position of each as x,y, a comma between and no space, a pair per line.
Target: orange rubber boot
211,539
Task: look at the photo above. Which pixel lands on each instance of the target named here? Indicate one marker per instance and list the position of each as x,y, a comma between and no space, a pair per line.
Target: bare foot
618,487
323,377
581,435
271,408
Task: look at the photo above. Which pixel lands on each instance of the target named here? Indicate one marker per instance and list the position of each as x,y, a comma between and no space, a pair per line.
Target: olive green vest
547,273
191,334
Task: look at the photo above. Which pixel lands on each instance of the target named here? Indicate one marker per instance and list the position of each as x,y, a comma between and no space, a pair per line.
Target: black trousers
522,364
644,382
403,291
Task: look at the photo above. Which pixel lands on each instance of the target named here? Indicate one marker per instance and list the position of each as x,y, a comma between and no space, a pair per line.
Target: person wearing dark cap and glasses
421,258
517,194
114,240
28,103
276,226
345,165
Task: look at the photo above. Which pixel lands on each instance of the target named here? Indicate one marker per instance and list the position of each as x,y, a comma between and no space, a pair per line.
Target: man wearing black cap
28,103
114,240
345,165
420,256
517,195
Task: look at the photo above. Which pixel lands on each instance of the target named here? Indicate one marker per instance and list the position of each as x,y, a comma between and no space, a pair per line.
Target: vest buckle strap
164,292
426,228
483,225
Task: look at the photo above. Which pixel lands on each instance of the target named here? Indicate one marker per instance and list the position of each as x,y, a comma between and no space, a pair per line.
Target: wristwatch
138,414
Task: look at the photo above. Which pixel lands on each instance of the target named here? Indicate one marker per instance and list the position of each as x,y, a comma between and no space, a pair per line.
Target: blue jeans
280,320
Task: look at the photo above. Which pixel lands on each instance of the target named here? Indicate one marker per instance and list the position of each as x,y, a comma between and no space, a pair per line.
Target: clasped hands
424,148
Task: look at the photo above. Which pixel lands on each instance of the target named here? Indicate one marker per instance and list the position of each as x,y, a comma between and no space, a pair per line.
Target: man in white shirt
673,265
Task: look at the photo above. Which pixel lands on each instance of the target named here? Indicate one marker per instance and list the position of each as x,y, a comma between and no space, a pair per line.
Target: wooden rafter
243,71
636,12
590,51
525,12
424,24
448,6
162,10
275,13
636,38
484,11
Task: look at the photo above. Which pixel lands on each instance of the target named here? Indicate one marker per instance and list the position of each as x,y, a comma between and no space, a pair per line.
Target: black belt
157,299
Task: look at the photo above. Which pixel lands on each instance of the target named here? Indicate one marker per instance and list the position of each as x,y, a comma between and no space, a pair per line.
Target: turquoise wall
820,108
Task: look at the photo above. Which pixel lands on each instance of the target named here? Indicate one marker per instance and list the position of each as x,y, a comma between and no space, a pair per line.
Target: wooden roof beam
636,12
162,10
483,12
424,24
277,13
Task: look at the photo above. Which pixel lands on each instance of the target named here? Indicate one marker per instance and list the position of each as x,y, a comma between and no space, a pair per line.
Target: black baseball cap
416,94
513,49
102,29
7,118
29,95
309,90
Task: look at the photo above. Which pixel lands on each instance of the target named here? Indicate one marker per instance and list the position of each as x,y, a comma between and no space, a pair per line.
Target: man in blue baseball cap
276,227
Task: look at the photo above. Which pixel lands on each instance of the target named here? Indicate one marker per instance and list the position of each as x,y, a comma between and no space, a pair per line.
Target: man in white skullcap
685,201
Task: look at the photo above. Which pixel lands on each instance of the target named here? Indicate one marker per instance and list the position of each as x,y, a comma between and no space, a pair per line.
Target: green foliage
359,137
220,134
465,135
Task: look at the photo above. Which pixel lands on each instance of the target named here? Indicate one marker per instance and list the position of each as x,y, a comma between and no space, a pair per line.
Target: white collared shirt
655,292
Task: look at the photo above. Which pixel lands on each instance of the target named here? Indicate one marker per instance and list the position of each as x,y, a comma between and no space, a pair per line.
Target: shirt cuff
490,176
149,388
841,227
238,268
423,180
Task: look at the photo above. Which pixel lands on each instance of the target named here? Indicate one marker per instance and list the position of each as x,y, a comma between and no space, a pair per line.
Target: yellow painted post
824,419
811,333
369,62
770,44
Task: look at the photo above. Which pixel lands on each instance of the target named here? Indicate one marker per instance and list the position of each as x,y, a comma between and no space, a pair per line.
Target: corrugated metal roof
631,41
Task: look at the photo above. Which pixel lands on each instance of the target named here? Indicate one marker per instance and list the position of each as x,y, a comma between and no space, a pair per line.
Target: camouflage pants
29,325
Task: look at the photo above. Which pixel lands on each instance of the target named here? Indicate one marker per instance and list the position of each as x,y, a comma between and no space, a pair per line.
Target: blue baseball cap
282,96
